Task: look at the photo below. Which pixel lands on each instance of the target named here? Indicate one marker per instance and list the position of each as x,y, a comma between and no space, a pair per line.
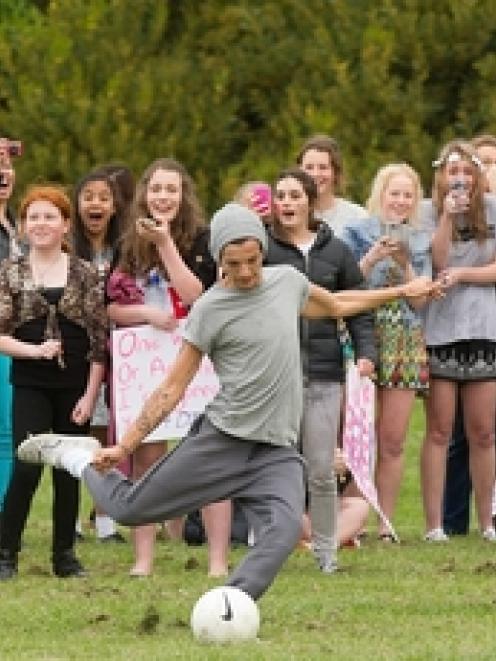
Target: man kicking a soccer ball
243,447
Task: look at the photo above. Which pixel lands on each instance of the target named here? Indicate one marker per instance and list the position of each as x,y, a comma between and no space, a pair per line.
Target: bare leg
104,525
144,536
217,521
352,516
395,407
441,404
174,528
479,411
306,532
101,434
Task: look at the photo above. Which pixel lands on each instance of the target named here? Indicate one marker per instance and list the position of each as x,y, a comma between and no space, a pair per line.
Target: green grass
408,601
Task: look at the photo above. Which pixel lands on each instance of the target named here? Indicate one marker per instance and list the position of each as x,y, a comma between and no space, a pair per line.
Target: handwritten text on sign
142,358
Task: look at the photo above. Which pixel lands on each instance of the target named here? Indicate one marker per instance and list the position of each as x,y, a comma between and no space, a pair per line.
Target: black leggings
38,410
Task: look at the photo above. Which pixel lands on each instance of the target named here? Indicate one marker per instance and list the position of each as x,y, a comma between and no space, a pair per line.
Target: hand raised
382,248
153,229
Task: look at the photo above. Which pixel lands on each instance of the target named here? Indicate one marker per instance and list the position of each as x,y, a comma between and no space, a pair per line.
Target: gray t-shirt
251,337
468,311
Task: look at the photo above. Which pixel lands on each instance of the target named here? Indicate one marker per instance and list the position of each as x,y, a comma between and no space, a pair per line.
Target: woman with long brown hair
461,331
297,239
163,267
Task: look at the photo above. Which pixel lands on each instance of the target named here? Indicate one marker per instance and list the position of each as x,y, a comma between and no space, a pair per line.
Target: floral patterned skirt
403,361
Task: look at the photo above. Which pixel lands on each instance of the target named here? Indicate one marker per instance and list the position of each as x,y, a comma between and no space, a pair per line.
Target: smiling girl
461,331
393,249
53,324
165,250
321,158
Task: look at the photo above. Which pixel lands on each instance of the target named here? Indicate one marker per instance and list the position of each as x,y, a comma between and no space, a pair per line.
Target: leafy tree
233,88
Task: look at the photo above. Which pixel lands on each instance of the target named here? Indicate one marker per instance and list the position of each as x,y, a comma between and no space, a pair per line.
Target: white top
341,214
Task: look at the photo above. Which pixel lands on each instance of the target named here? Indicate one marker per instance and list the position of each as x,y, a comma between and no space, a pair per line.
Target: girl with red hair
53,324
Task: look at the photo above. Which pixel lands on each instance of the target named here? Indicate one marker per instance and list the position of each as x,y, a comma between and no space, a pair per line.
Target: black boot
8,564
65,564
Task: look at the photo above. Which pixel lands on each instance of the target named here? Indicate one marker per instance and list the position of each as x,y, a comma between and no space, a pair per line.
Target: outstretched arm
476,275
322,303
160,403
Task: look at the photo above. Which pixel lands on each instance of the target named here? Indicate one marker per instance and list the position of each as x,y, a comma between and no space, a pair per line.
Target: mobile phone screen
262,196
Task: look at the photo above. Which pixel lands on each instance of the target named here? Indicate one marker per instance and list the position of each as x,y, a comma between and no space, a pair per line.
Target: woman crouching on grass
53,324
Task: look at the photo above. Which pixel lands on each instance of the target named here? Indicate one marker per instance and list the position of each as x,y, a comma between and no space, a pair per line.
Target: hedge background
233,88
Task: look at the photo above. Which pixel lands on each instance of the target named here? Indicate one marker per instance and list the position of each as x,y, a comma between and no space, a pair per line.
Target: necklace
39,274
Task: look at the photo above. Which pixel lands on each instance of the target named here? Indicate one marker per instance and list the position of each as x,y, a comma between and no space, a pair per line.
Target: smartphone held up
15,148
261,199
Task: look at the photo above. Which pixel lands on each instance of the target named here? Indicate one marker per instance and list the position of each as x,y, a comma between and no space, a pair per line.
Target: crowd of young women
122,255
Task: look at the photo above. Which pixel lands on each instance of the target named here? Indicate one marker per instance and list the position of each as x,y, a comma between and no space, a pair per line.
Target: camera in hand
147,221
459,185
459,191
10,147
4,179
399,232
15,148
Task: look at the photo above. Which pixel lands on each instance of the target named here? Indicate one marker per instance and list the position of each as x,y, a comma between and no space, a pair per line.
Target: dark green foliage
233,88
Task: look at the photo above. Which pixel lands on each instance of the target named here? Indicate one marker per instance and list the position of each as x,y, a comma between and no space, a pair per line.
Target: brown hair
48,193
476,213
309,187
322,142
138,255
483,140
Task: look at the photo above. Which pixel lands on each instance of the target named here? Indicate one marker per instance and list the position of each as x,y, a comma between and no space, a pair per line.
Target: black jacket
331,265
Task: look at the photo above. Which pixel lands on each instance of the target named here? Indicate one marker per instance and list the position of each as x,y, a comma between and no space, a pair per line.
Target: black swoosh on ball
228,615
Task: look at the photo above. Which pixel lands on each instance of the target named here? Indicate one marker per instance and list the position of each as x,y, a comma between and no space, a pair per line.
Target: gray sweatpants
319,432
208,466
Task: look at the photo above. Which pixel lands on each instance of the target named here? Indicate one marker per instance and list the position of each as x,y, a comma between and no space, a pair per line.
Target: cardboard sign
141,359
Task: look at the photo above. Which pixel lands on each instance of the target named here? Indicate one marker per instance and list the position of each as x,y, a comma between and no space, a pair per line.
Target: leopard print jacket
82,302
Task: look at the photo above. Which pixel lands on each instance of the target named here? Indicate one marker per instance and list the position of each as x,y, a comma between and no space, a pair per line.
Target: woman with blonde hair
461,331
53,324
392,248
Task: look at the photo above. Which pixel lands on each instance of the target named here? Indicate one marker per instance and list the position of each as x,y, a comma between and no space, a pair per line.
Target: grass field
408,601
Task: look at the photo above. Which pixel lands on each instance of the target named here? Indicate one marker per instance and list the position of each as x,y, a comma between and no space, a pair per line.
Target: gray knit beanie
234,221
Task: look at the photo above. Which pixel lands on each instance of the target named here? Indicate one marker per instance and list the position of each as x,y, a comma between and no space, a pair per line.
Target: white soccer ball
225,615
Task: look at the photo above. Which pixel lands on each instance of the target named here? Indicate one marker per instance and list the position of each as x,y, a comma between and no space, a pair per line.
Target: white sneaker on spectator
436,535
489,534
49,448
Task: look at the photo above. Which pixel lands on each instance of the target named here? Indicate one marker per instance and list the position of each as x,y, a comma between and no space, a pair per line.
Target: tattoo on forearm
156,407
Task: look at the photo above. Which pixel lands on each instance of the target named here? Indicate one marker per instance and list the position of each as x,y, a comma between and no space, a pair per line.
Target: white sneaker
489,534
327,563
436,535
330,567
48,448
